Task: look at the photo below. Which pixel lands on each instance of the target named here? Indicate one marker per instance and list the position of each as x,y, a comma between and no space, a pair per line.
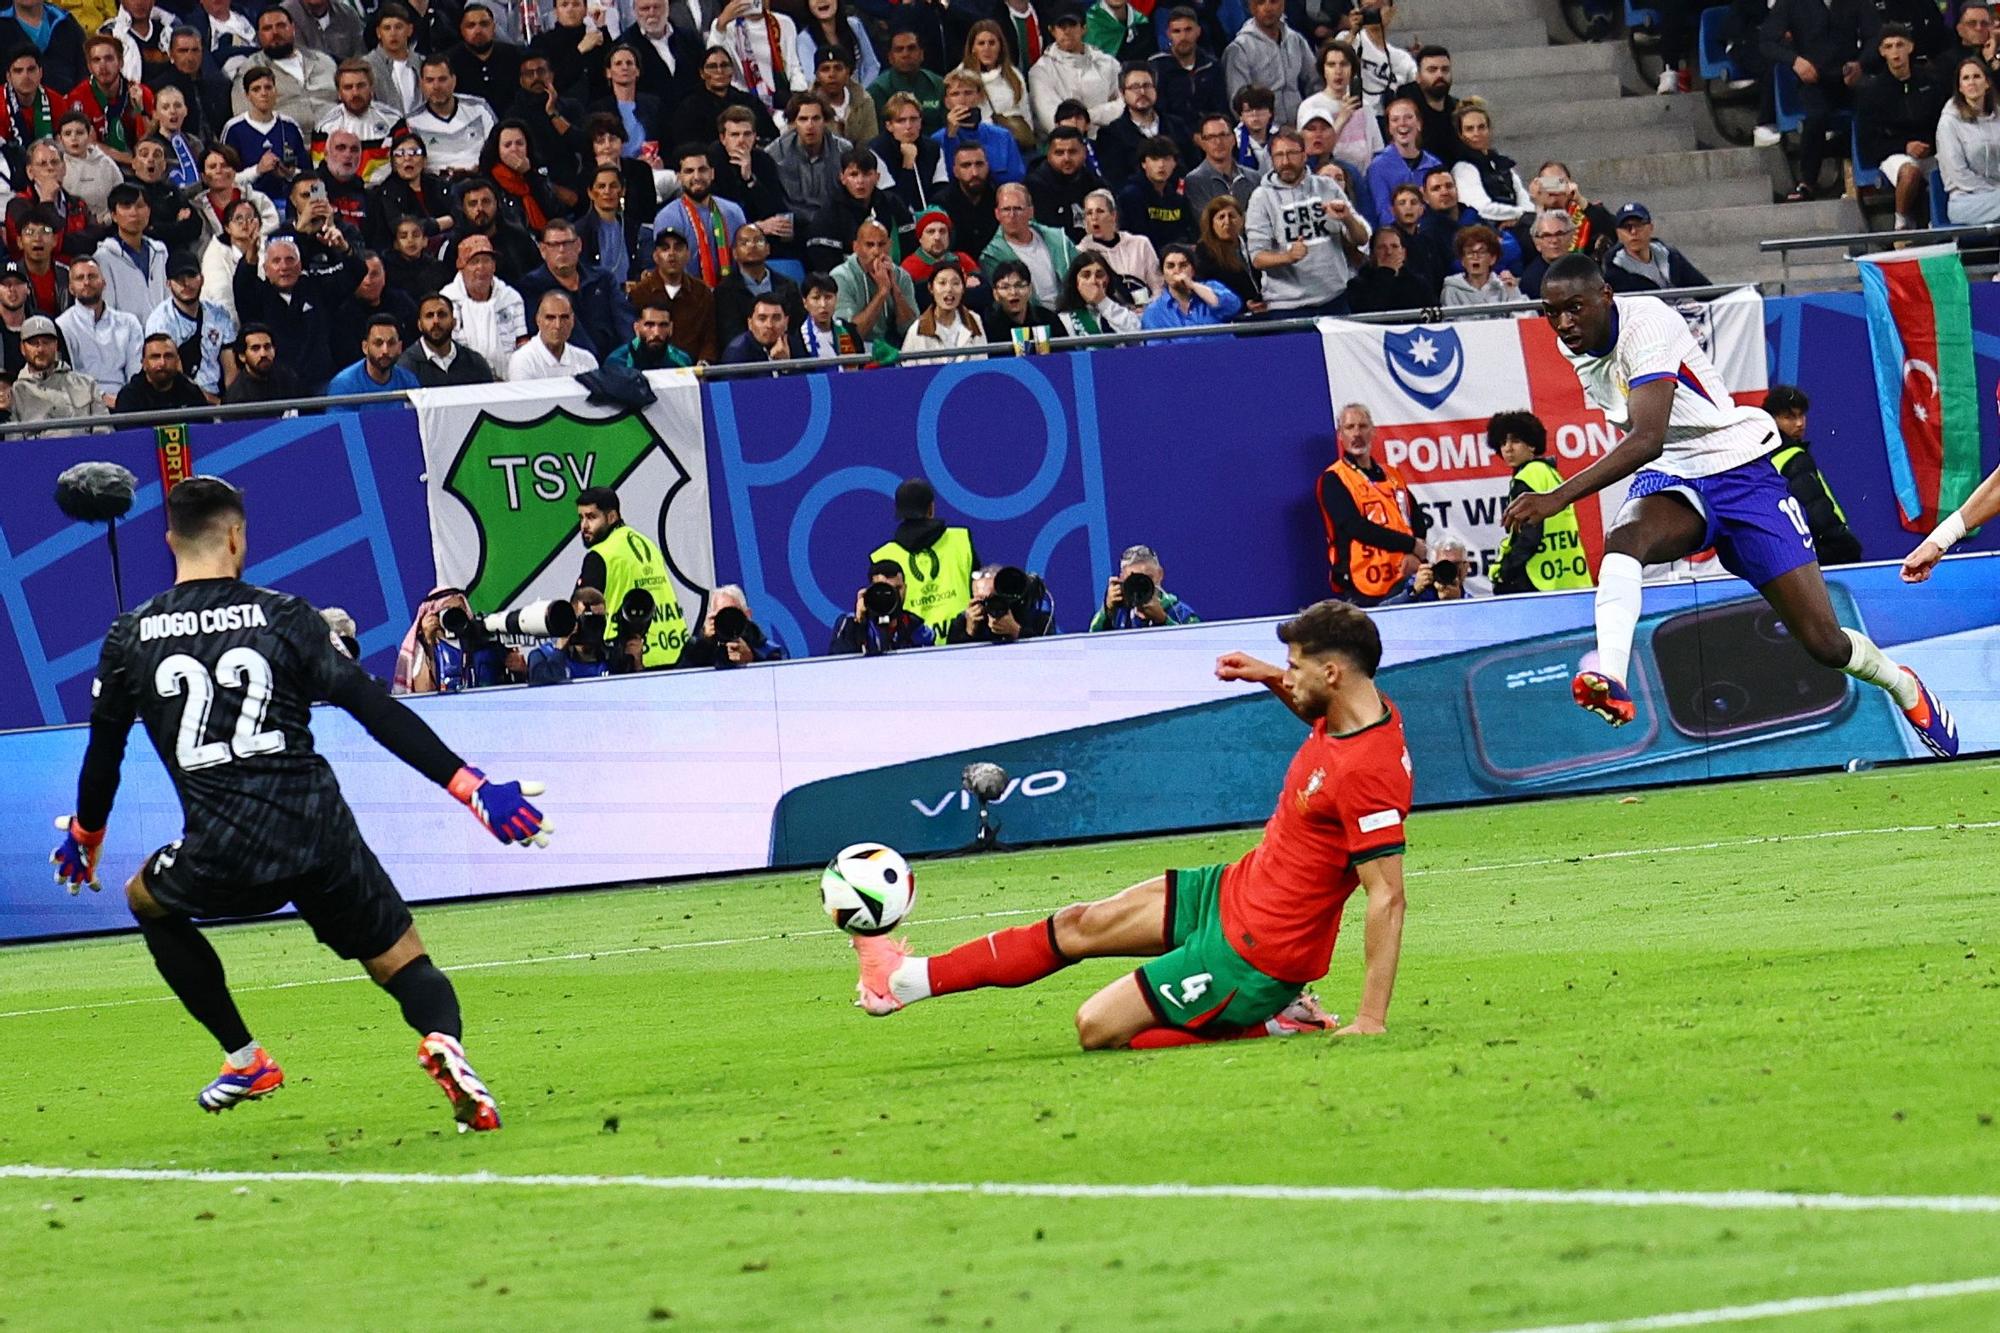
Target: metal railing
1849,242
797,366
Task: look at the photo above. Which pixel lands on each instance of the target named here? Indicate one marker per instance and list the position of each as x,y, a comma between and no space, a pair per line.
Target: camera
1136,589
537,620
1446,573
635,612
1015,590
880,599
591,627
730,622
1371,16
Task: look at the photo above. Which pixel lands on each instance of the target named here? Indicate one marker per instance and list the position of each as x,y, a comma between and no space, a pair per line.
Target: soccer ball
868,889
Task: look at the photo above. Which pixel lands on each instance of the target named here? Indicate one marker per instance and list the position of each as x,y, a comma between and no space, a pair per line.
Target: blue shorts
1757,529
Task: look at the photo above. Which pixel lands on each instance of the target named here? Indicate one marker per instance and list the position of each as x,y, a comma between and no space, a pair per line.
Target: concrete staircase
1585,104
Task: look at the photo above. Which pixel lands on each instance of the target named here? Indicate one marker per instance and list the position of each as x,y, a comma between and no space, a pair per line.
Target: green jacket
925,86
1102,29
1061,249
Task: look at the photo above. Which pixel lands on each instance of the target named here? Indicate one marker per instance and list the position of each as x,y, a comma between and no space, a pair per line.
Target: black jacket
702,651
281,384
302,326
1189,94
1059,198
674,89
1834,541
1440,135
733,300
140,396
1680,273
515,252
1118,146
494,80
561,153
760,197
468,367
832,235
1829,33
1374,290
694,116
175,223
603,315
918,186
1891,112
578,74
62,63
973,221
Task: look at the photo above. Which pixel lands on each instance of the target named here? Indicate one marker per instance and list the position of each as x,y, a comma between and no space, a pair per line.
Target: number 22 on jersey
239,669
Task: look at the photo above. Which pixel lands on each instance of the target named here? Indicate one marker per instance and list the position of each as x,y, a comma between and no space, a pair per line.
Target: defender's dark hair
599,497
1523,426
198,504
1574,267
1335,627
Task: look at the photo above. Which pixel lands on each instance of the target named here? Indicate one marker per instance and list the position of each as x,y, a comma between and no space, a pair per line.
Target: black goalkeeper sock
189,964
429,1002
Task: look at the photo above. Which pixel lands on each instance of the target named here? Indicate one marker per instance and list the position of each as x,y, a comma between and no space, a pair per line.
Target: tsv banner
1433,388
504,464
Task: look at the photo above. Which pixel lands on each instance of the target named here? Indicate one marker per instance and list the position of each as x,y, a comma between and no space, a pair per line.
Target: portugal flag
1920,330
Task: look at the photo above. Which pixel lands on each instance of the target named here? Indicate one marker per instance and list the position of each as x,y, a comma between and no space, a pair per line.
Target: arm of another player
1650,404
1382,881
1242,666
1979,507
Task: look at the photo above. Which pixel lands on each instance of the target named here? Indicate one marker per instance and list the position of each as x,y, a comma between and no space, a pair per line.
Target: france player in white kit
1701,476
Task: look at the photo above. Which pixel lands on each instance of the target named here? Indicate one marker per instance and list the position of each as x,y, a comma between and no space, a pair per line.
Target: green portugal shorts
1201,983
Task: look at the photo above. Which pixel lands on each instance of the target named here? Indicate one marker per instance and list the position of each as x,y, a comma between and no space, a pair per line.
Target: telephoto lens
1137,588
879,600
730,623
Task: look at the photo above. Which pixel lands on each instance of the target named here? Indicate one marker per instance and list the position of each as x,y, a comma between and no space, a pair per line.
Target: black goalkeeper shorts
351,903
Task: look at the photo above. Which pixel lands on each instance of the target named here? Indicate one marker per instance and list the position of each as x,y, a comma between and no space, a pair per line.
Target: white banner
1432,389
504,464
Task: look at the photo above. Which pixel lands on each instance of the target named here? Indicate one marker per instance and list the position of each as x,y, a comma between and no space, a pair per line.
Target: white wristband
1950,532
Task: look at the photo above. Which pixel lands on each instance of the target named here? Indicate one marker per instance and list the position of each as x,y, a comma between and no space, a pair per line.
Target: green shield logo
520,480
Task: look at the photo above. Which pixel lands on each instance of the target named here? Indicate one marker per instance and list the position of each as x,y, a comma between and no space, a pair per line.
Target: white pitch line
1719,845
582,955
1736,1314
1714,1201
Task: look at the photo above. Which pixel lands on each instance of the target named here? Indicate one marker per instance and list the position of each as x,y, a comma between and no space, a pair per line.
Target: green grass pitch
1771,986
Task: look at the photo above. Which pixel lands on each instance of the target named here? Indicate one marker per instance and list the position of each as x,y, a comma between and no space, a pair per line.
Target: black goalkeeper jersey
224,676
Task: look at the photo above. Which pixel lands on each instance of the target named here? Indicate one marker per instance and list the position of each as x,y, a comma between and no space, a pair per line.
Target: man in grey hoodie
1297,228
808,159
1272,54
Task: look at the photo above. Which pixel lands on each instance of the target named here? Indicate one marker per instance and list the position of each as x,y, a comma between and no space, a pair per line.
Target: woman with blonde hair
1488,182
1006,105
1968,145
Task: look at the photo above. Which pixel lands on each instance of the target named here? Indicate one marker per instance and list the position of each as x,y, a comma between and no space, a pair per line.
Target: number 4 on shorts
1192,989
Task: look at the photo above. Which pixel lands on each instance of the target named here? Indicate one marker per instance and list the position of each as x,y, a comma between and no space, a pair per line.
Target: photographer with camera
936,561
880,624
1135,597
1008,604
579,654
439,657
729,637
1447,577
645,625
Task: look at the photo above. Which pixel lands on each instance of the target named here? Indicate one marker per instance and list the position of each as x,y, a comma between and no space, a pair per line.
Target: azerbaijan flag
1920,330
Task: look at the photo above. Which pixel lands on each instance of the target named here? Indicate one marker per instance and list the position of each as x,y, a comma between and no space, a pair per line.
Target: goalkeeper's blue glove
76,860
503,807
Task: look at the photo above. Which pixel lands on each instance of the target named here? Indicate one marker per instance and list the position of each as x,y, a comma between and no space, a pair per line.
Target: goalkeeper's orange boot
444,1060
233,1085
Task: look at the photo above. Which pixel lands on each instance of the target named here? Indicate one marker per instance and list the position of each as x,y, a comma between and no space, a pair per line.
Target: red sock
1158,1039
1012,957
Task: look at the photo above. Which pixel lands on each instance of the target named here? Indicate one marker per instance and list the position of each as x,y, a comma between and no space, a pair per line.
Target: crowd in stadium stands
247,204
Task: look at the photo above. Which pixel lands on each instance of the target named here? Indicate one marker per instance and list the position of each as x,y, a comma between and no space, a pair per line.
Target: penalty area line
1723,844
1715,1201
1737,1314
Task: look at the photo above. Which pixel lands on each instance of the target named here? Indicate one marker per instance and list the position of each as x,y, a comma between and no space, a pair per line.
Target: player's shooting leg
1654,529
420,987
1128,924
1799,596
189,965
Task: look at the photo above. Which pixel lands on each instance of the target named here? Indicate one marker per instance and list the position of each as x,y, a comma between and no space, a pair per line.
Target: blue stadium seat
1940,202
1637,17
1712,51
1867,175
791,268
1785,96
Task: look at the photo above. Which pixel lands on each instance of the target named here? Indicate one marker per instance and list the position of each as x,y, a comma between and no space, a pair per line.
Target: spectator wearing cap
906,74
1219,171
1073,69
159,386
1270,53
692,303
16,309
101,342
1120,143
379,370
964,92
393,62
850,110
1402,161
1188,75
45,389
203,330
490,315
1640,263
934,247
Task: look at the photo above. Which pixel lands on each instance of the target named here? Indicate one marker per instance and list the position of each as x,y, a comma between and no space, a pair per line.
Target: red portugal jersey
1344,802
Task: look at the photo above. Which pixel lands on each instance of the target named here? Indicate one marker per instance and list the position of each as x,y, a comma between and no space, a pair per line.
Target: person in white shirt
138,29
103,343
133,263
229,33
491,317
397,83
454,128
764,44
947,323
187,318
360,114
549,355
1701,475
1073,69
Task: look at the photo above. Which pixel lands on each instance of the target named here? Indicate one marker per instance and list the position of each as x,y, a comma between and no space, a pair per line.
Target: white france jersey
1707,432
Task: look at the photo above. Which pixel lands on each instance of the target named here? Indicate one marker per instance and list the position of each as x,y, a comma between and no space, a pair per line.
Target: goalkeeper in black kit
224,675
